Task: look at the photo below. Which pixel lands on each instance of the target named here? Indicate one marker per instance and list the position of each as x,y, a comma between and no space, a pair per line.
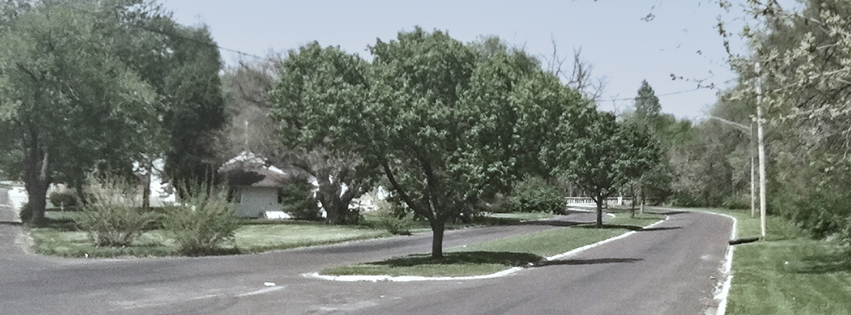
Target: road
666,270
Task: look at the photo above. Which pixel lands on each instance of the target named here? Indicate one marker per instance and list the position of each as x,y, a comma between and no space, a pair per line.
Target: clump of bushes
202,221
534,194
737,202
64,198
26,212
115,217
298,201
393,218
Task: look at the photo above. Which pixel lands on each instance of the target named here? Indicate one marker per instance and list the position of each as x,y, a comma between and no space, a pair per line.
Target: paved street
666,270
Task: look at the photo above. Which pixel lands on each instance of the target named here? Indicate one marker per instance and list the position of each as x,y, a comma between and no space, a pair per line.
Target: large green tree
319,98
66,99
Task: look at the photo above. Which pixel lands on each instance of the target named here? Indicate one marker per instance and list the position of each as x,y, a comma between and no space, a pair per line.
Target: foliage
392,219
63,198
64,92
202,221
604,156
115,216
297,200
535,194
737,202
26,212
321,87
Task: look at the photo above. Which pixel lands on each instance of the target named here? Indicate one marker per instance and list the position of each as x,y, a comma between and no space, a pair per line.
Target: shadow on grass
478,257
570,262
627,227
839,261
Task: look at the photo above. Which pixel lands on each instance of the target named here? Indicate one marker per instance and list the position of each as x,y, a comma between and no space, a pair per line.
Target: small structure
254,184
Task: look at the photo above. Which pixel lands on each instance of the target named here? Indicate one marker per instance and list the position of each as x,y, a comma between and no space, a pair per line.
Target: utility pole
761,144
753,170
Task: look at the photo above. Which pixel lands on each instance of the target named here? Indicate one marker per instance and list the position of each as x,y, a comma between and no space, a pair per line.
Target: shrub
26,212
737,202
822,213
115,217
202,221
63,198
391,218
534,194
298,201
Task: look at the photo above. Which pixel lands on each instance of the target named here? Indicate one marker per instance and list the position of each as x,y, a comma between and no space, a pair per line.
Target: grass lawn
789,273
61,237
493,256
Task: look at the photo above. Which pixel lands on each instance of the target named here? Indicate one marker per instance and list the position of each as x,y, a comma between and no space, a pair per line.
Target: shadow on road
561,223
659,228
597,261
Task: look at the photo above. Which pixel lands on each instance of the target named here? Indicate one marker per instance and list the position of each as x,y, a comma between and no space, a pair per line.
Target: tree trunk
599,201
37,181
146,186
632,202
437,240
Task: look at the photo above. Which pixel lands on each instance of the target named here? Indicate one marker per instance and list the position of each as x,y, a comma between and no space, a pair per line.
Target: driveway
668,270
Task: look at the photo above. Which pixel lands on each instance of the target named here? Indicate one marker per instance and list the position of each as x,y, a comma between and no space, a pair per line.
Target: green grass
264,237
61,238
493,256
788,273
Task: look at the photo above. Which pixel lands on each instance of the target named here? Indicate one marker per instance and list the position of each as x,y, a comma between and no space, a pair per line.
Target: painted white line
723,292
503,273
261,291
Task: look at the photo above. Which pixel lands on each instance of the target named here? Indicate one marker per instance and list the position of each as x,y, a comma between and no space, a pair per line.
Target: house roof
247,169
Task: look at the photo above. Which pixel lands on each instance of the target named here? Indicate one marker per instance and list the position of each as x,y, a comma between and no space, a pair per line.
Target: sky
616,37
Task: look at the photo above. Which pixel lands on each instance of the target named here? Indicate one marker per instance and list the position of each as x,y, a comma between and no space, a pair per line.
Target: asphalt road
667,270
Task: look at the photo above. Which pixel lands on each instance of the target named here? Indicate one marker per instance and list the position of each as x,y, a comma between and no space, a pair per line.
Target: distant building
254,185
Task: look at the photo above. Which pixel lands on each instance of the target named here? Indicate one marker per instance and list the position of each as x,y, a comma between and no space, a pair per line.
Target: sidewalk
11,200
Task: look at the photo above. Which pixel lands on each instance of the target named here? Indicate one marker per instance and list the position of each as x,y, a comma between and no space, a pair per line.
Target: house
254,185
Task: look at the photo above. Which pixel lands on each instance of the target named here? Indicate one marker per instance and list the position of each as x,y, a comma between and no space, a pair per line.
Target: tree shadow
561,223
475,257
597,261
664,228
839,261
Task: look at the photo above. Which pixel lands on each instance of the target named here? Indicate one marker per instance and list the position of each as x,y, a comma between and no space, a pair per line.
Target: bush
823,214
298,201
534,194
202,221
64,198
115,218
737,202
26,212
392,218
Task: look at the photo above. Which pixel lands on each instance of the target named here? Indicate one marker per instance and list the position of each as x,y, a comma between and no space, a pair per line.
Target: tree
318,92
66,98
647,117
250,126
604,156
798,64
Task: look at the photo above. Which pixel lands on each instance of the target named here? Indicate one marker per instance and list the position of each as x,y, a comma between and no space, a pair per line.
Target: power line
657,95
162,32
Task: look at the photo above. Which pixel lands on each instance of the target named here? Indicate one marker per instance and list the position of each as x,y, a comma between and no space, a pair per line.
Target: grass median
497,255
789,273
62,238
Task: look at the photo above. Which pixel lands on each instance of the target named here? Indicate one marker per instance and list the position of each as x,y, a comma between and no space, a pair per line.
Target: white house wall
254,201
